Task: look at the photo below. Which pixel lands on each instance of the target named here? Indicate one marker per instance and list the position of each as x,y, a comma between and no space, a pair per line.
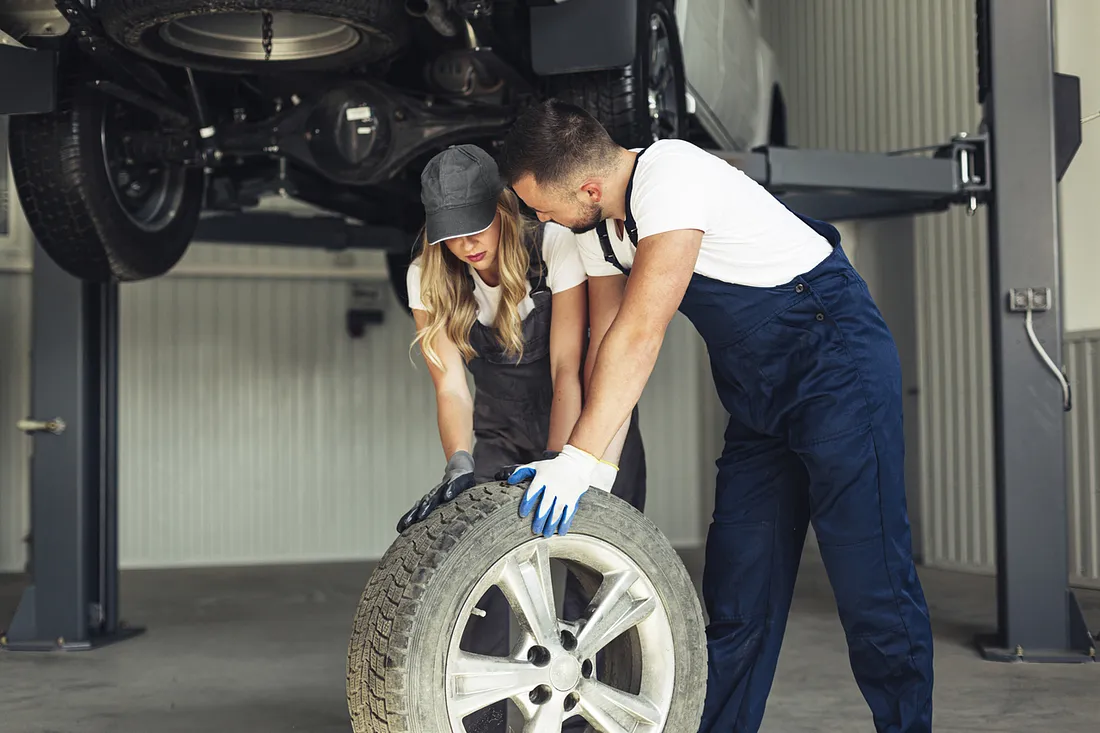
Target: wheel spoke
613,711
614,611
529,588
547,719
475,681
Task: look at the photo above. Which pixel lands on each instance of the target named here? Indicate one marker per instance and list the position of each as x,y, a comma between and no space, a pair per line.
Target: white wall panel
253,430
1083,367
881,75
15,345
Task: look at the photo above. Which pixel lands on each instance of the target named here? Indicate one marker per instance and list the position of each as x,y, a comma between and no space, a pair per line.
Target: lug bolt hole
538,656
568,641
586,668
571,702
541,695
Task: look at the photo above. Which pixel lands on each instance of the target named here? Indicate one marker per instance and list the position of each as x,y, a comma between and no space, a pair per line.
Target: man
804,365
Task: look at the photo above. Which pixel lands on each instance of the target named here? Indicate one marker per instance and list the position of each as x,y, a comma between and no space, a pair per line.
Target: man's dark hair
554,142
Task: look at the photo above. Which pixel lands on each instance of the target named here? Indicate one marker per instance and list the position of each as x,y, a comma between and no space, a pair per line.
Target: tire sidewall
601,516
134,253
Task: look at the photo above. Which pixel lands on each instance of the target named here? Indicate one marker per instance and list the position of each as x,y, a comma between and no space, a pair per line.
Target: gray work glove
457,477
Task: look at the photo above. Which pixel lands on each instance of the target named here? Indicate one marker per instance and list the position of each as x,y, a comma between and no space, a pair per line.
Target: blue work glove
556,486
457,477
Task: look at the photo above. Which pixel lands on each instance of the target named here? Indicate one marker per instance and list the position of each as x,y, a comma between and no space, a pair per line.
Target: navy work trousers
810,376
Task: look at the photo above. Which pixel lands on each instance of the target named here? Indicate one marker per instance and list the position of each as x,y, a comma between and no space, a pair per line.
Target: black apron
512,401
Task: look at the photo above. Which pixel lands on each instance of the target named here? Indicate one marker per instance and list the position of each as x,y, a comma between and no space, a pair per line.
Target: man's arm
567,326
605,296
662,270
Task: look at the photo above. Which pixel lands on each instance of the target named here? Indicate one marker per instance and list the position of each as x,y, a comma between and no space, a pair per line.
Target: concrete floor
262,649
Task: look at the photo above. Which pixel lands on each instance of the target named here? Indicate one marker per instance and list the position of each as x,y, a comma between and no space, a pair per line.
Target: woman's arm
454,405
567,331
605,295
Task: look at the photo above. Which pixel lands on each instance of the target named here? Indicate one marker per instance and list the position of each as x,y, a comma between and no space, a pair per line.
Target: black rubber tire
60,174
618,97
135,24
410,605
397,263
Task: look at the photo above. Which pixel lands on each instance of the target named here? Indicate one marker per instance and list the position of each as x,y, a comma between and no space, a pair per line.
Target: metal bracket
1024,299
973,177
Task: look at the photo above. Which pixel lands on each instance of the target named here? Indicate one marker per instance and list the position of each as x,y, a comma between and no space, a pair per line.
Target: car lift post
1039,618
72,603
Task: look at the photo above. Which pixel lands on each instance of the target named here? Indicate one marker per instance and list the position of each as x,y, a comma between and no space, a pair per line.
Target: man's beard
593,215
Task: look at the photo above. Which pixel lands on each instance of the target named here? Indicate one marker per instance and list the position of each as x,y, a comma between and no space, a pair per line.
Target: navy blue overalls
810,376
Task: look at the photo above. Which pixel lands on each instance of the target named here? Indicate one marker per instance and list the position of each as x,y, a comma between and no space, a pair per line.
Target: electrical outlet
1021,299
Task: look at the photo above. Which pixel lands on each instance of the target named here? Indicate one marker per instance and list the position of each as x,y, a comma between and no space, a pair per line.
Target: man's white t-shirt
564,270
749,237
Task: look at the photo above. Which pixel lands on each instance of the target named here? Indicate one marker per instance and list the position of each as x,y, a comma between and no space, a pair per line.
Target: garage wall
1077,53
253,429
304,444
877,76
15,345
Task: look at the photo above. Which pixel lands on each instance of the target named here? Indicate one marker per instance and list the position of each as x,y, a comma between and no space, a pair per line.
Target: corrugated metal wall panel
1083,367
253,430
15,346
879,75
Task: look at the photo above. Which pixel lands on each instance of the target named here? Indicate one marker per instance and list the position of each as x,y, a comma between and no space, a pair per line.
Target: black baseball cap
459,188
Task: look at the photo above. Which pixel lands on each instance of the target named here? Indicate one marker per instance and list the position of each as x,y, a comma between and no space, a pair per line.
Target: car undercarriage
192,106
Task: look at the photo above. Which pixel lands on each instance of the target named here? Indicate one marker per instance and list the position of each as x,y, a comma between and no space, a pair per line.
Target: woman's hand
457,477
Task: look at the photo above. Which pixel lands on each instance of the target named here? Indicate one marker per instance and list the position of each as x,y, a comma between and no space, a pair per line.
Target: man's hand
556,487
457,477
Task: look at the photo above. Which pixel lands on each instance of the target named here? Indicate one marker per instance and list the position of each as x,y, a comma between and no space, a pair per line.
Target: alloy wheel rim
551,673
239,36
661,84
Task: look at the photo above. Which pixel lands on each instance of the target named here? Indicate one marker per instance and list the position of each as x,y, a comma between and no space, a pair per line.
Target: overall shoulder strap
631,224
605,245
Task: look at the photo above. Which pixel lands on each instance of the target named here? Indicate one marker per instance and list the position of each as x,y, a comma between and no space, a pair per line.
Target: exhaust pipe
435,12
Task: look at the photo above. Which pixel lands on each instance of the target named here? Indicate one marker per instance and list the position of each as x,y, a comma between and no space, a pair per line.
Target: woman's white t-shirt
564,267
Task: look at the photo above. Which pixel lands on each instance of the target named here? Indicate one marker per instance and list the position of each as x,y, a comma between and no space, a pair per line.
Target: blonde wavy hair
449,299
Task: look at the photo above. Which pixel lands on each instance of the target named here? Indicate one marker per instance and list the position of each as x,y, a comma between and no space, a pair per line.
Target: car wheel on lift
635,658
397,263
645,101
94,210
228,35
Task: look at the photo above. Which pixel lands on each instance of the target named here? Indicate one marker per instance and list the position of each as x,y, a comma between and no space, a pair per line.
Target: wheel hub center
565,673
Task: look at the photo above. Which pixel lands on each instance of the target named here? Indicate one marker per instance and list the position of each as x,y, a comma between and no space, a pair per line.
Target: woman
496,293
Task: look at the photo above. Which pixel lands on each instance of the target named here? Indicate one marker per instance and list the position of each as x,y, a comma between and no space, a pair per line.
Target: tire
377,29
402,644
618,98
397,264
71,202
